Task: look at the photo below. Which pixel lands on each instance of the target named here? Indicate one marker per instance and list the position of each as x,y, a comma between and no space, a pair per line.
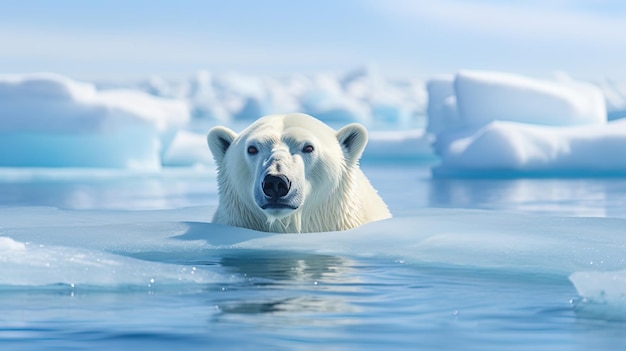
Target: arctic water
116,259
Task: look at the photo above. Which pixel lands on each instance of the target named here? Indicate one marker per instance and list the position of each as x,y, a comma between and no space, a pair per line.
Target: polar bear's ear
219,140
352,139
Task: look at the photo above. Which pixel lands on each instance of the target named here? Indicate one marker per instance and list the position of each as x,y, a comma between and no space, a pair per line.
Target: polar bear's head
283,164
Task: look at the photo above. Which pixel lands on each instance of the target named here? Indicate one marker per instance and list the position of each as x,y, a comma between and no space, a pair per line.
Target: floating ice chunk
40,265
45,246
132,148
484,97
53,103
44,86
603,294
52,121
501,148
10,245
491,123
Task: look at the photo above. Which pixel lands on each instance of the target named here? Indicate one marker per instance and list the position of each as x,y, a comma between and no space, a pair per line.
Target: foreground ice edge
55,246
32,265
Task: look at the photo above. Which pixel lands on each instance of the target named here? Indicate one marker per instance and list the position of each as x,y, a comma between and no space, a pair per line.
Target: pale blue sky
118,39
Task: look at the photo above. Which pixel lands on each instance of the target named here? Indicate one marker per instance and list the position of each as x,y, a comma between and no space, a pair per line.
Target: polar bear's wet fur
293,174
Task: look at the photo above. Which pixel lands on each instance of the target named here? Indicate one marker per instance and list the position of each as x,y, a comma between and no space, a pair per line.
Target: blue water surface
260,296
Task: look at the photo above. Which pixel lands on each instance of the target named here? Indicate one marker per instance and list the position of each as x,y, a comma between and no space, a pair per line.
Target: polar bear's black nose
275,186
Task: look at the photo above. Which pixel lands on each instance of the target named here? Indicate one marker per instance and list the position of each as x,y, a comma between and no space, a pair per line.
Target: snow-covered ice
119,188
99,248
603,294
363,95
36,265
500,124
479,123
483,97
509,148
48,120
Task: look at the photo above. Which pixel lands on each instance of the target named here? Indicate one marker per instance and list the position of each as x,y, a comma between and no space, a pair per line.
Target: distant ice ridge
362,95
500,124
48,120
482,123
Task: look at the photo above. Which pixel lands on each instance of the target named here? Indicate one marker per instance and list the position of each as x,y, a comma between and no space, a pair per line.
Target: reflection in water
563,197
284,266
407,187
297,304
289,283
403,187
107,189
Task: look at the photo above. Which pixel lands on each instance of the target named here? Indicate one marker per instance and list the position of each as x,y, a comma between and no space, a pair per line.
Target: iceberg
500,124
504,148
49,120
603,294
484,97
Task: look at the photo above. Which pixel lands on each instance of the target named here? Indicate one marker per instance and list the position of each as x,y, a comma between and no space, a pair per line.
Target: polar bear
291,173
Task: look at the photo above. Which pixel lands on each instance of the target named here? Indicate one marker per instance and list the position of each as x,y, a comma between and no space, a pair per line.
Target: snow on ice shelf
43,246
51,121
497,124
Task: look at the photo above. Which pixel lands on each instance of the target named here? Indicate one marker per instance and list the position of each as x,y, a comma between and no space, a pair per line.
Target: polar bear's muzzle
275,187
277,196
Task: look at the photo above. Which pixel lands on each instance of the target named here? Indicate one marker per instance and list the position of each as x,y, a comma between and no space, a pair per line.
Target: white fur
327,186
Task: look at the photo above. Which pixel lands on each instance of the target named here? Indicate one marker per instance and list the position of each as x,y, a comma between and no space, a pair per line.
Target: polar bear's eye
252,150
308,149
